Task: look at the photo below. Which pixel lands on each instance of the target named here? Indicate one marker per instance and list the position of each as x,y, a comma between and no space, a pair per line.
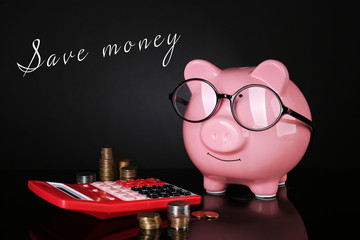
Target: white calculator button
127,198
134,194
111,191
118,195
97,183
109,182
140,197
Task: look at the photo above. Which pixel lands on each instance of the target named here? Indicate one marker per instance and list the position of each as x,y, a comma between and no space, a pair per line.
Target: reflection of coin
153,234
198,214
211,215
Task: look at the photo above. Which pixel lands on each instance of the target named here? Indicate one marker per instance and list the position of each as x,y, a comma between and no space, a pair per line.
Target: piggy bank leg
214,185
283,180
265,190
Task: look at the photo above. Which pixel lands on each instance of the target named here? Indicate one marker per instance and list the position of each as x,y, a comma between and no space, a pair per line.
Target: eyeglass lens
195,100
256,107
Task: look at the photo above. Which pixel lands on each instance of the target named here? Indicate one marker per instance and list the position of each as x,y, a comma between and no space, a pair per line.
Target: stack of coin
149,220
107,169
178,208
123,163
85,177
128,173
179,221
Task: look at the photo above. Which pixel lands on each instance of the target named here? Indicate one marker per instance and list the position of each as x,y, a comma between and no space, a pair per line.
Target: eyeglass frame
219,96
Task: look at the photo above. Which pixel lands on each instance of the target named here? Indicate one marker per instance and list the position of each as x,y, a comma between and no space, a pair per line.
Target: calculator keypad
140,189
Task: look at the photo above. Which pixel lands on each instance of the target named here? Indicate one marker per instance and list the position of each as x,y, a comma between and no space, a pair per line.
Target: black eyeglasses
254,107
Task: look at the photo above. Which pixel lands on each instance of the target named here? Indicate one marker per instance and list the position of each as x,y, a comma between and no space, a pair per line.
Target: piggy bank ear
201,69
273,73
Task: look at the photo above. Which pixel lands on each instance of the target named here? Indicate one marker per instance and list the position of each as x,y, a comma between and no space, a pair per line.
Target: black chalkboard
77,76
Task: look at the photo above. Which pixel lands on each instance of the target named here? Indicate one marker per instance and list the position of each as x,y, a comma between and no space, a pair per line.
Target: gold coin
178,203
123,163
149,220
211,215
179,221
107,153
129,168
128,172
198,214
107,171
148,215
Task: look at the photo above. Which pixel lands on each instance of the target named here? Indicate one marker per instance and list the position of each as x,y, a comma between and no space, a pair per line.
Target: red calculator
112,199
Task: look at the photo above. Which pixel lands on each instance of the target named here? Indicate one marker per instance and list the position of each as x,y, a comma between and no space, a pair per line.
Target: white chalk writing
108,51
113,49
52,59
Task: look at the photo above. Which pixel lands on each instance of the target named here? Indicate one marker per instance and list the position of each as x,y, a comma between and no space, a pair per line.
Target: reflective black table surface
314,204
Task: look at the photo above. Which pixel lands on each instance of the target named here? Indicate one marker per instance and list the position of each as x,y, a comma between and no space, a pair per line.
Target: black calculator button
152,195
136,188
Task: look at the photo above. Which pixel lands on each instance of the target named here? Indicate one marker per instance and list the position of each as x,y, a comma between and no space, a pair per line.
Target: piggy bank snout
222,135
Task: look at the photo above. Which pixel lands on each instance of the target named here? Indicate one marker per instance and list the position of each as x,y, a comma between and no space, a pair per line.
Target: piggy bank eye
240,95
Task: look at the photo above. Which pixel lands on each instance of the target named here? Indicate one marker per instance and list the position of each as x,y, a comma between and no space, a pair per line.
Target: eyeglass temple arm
305,120
179,100
299,116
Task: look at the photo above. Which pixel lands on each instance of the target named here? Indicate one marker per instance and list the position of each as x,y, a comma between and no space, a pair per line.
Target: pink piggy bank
246,126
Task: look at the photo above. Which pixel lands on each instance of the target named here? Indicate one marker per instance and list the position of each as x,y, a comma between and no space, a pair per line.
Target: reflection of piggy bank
275,219
253,139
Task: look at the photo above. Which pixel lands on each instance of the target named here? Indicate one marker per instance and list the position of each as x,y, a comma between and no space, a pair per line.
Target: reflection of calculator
111,199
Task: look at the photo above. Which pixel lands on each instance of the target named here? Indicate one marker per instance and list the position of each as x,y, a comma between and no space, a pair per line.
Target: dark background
59,117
